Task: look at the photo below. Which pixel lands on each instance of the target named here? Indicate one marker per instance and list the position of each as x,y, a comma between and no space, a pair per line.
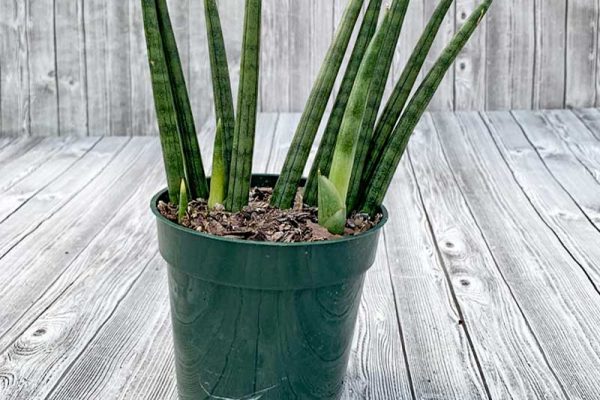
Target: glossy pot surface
255,320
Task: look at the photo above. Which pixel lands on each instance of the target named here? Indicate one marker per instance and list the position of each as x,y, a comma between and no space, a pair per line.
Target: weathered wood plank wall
79,67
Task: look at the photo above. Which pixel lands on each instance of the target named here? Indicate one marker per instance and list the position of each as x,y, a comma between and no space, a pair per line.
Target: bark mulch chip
260,222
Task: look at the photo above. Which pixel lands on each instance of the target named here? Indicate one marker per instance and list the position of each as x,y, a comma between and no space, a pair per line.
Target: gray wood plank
430,322
108,269
591,119
299,80
321,34
232,19
510,55
275,57
414,23
36,156
565,152
130,379
57,193
444,97
118,69
71,68
144,117
14,69
48,265
17,148
512,362
96,48
549,90
582,52
199,79
43,82
470,69
559,302
377,368
24,189
122,342
556,207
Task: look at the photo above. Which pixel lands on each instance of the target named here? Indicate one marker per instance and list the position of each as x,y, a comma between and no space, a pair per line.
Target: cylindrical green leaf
166,113
183,202
385,169
395,104
327,146
245,125
380,77
217,179
345,148
221,82
192,159
289,179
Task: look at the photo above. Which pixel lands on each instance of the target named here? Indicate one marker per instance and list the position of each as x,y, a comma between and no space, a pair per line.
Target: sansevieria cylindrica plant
361,146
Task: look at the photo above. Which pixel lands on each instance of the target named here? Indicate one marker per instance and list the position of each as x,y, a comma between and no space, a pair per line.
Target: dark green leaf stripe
285,189
220,80
245,125
326,147
163,101
192,159
381,73
347,141
399,97
386,168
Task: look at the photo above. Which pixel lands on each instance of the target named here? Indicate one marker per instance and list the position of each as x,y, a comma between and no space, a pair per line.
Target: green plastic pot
255,320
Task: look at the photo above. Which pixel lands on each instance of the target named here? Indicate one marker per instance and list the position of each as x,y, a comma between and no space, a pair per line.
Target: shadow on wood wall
79,67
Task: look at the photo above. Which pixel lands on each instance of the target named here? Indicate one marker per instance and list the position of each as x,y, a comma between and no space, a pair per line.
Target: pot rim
344,239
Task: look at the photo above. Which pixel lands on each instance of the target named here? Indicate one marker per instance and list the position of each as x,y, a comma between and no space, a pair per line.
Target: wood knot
39,332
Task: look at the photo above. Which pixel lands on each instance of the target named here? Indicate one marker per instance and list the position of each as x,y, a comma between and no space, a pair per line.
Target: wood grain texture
510,55
556,206
40,260
556,297
480,286
540,54
97,72
105,277
43,80
549,81
470,67
571,154
517,367
27,187
444,98
582,52
14,69
57,192
144,121
430,322
71,68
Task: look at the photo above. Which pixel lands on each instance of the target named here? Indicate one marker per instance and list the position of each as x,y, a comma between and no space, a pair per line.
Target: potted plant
265,288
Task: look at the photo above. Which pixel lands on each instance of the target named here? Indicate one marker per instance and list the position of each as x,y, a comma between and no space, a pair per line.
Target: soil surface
261,222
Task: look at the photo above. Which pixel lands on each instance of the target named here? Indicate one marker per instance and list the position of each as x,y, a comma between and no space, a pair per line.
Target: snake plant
358,154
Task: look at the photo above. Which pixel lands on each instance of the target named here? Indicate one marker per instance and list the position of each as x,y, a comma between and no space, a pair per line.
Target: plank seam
535,208
85,64
589,128
66,202
448,279
397,309
497,265
56,68
65,269
102,325
52,180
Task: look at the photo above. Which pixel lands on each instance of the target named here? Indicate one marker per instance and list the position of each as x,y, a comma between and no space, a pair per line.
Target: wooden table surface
486,285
